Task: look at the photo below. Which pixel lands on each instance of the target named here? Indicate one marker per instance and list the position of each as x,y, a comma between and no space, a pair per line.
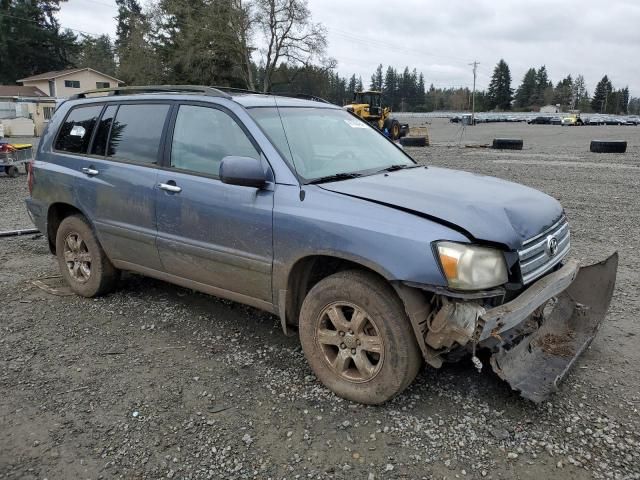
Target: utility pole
473,95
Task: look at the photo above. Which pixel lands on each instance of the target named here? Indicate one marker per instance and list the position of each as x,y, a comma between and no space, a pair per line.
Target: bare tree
289,34
242,24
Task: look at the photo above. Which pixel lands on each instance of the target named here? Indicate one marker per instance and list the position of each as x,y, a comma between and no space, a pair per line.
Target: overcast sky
441,37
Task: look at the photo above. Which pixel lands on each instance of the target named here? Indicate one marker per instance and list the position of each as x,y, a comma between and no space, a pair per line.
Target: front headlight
469,267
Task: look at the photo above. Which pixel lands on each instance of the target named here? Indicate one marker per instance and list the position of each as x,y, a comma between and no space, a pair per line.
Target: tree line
537,90
265,45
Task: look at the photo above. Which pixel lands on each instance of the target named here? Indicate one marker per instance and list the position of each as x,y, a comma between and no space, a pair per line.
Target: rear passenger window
203,136
75,133
136,133
99,146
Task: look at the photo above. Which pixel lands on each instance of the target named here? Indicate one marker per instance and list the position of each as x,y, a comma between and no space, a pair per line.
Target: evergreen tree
390,88
97,53
526,90
376,79
599,103
624,100
129,14
196,44
31,41
420,97
500,92
563,93
359,85
353,84
540,95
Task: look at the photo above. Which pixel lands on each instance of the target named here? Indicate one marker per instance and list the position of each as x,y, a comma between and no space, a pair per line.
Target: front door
209,232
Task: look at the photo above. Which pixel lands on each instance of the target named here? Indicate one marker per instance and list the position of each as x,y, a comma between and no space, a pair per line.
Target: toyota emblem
552,245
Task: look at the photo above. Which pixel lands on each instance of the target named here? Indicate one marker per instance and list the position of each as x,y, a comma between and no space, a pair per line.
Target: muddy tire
413,141
611,146
357,338
507,144
82,261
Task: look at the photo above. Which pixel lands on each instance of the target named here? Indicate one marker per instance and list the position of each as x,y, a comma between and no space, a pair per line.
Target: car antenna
293,160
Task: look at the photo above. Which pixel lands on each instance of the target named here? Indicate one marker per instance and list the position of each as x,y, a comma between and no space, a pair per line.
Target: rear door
120,174
209,232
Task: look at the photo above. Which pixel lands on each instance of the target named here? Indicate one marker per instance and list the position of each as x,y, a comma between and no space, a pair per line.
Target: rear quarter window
76,130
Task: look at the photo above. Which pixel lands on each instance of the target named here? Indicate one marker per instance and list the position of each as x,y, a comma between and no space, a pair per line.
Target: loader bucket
538,364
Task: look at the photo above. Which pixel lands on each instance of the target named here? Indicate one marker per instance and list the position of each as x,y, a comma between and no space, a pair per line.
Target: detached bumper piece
540,334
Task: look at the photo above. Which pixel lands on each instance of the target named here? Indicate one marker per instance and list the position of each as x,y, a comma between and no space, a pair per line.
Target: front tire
82,261
357,338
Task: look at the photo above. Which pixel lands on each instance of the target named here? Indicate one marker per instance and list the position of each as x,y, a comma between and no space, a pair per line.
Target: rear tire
11,171
357,338
82,261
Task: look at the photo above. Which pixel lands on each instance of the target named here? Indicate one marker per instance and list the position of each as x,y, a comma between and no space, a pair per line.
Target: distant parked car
613,121
539,121
555,121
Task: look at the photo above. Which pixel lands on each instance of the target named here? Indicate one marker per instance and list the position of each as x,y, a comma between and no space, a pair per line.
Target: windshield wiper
335,177
393,168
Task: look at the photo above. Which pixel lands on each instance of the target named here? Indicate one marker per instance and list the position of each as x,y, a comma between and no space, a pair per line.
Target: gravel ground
155,381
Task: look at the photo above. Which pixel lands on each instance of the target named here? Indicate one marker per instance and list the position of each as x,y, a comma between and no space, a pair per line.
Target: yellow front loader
368,106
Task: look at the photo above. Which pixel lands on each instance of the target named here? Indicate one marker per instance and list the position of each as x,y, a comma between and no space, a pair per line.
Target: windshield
327,142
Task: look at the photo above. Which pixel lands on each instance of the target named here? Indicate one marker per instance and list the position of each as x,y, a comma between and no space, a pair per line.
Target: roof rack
303,96
202,90
280,94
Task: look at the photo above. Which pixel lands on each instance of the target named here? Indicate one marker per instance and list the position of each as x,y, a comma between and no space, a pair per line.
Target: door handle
90,171
170,188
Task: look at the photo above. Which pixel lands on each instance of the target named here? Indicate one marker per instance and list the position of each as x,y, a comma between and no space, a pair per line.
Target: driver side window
203,136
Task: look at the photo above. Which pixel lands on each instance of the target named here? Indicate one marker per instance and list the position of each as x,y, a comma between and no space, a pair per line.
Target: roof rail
202,90
280,94
303,96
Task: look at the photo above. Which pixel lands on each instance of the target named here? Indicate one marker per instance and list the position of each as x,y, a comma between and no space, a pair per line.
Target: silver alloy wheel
350,342
77,257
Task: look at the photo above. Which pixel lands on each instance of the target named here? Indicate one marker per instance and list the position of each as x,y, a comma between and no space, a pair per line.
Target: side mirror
243,171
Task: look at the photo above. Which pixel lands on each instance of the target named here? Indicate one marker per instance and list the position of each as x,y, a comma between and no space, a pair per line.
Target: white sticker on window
354,123
78,131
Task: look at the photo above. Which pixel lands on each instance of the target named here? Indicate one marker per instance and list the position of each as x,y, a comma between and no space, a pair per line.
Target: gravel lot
155,381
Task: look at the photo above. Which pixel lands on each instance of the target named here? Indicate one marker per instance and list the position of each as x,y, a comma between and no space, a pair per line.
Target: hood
483,208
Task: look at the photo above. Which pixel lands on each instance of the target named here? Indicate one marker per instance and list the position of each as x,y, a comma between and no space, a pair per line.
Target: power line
35,21
381,44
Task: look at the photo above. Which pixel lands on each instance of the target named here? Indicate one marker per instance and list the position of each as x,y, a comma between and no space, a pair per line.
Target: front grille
535,256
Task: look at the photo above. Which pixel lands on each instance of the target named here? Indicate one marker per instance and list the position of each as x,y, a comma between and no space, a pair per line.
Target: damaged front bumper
542,332
535,338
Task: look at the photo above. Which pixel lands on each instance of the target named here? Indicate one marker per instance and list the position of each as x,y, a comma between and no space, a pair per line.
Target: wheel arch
307,271
56,213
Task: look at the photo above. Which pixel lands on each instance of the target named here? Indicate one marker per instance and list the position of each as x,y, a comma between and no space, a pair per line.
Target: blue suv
298,207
